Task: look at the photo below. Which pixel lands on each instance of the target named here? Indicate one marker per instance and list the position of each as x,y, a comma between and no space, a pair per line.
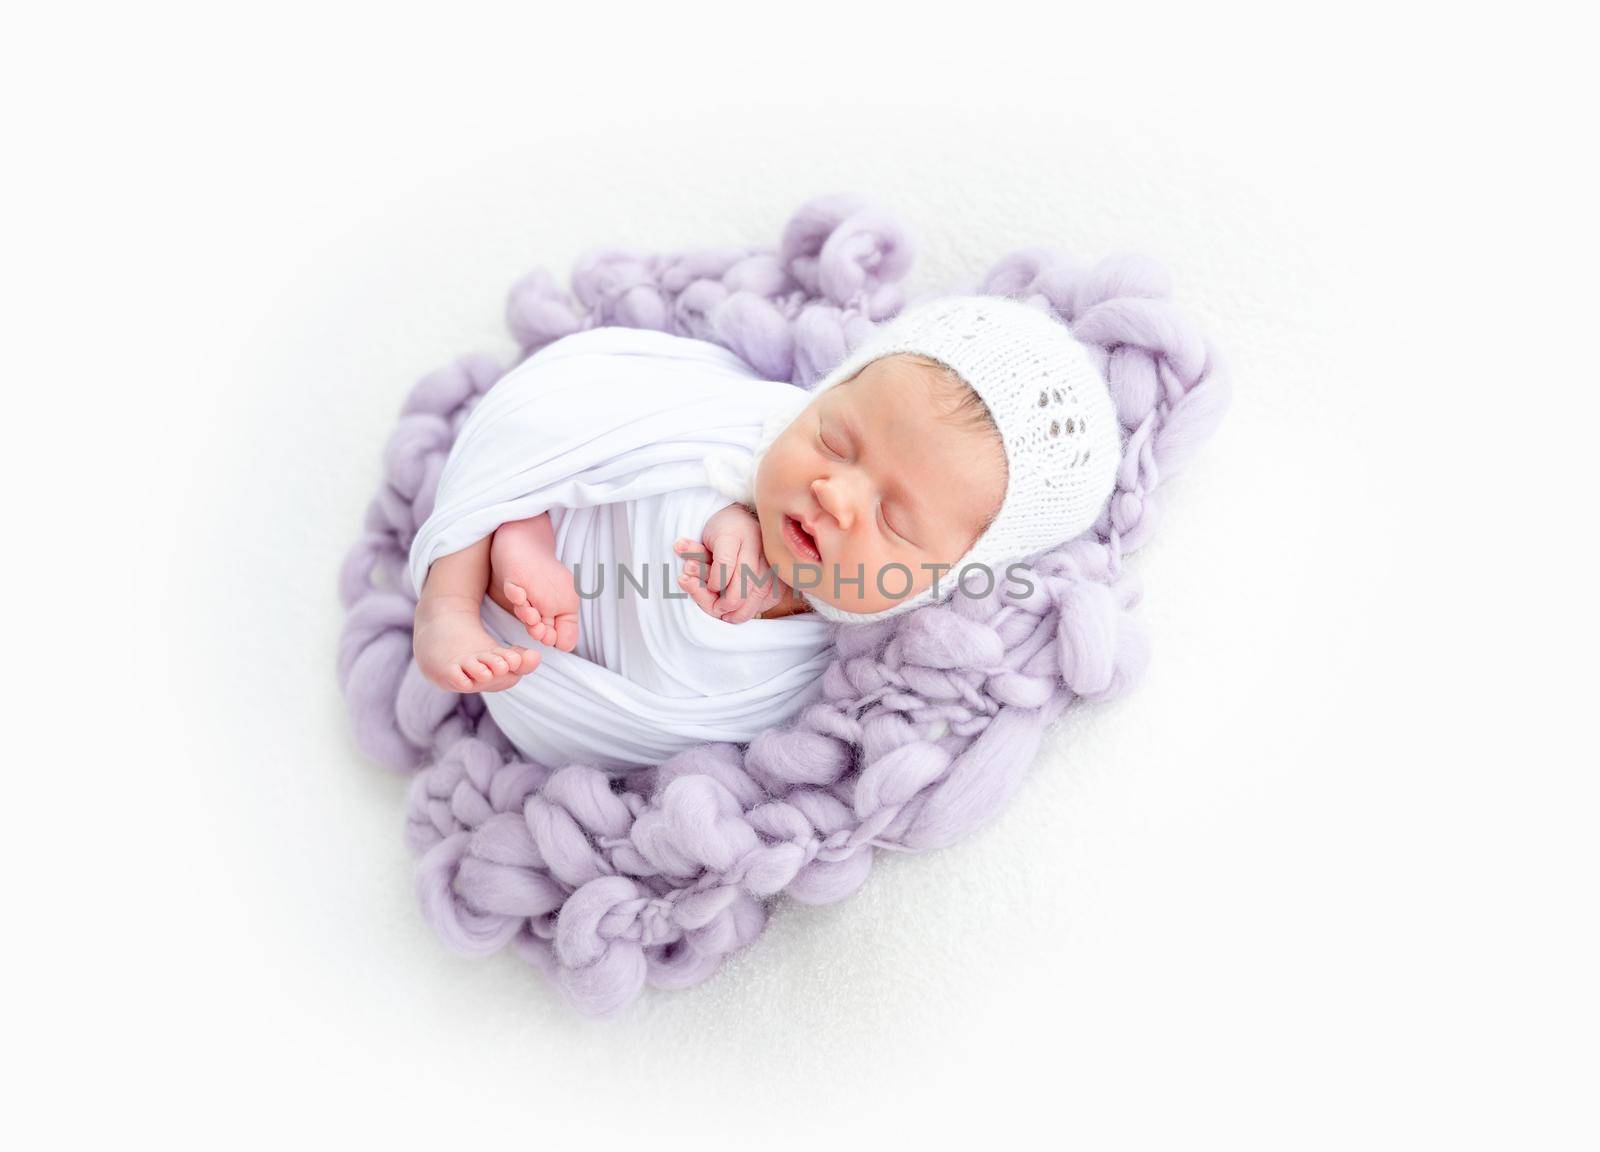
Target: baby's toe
515,593
459,680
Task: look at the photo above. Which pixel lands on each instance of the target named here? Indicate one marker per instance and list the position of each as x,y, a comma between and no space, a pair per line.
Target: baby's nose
834,502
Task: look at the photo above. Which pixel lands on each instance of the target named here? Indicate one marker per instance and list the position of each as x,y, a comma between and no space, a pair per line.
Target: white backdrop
1327,879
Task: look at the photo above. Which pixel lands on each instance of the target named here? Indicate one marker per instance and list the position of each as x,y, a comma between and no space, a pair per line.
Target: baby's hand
729,577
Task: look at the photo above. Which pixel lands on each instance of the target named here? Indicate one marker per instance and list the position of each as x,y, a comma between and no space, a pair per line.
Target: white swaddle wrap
629,438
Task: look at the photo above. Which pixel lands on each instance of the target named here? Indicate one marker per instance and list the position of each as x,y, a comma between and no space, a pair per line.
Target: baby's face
868,476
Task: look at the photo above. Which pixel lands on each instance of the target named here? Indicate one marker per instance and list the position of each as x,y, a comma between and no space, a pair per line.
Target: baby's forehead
901,372
913,405
915,365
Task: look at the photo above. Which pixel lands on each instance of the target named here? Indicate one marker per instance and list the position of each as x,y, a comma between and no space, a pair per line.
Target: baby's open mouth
799,540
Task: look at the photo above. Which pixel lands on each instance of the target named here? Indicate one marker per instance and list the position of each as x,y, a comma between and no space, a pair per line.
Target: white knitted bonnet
1054,412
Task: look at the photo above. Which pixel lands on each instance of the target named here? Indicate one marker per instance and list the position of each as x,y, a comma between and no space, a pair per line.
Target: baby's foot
552,626
528,581
456,652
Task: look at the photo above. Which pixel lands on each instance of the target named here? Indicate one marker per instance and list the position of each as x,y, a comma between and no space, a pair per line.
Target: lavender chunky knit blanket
926,722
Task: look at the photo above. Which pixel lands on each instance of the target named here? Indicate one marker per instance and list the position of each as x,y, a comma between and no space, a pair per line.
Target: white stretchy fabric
611,431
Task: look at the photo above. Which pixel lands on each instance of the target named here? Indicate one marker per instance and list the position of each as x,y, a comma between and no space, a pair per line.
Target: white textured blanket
610,431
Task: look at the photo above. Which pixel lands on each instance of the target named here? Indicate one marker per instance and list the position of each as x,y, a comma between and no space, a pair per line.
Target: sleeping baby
639,545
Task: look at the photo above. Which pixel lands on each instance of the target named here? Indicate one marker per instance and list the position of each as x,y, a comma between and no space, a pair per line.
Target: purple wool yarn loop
926,722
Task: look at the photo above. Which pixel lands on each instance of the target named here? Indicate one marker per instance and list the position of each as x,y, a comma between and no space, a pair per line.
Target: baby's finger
722,580
736,591
759,600
749,610
697,592
753,586
738,579
716,573
688,549
724,560
704,597
735,595
763,583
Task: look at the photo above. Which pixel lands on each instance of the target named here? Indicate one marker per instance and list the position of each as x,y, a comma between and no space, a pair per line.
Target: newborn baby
967,432
900,464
